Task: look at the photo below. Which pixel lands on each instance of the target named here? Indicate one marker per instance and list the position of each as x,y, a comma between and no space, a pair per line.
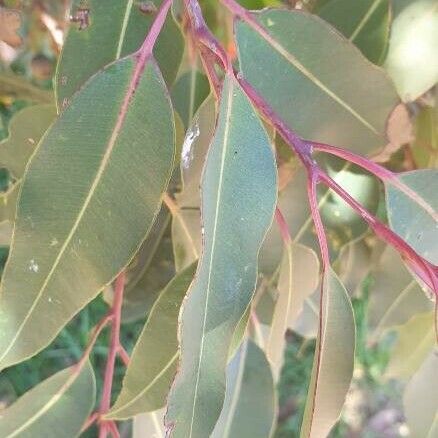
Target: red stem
283,226
123,354
113,350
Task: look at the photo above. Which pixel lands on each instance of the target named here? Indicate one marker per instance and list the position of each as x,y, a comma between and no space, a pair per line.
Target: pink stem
112,353
283,226
123,355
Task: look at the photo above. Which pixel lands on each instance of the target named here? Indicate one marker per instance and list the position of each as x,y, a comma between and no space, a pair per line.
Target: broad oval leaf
68,395
250,400
334,360
309,61
414,215
238,199
72,233
420,400
412,62
155,356
115,29
365,23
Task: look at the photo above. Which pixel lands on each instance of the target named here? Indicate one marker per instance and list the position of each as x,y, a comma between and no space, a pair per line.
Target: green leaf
20,88
250,399
73,234
412,62
8,203
116,29
298,279
365,23
238,199
155,357
189,91
415,340
414,216
394,295
333,362
149,425
25,131
309,62
67,396
425,147
420,400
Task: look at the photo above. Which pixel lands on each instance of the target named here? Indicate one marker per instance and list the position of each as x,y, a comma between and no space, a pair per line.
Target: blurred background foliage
388,304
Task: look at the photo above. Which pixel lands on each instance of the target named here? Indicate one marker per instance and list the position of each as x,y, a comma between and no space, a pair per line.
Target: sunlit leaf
309,62
414,216
189,91
299,274
238,198
394,295
155,357
333,362
61,403
250,400
115,29
73,234
420,400
412,62
364,22
150,425
415,340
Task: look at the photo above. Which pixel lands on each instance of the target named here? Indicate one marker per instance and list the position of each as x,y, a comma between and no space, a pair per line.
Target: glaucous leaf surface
115,29
55,408
189,91
239,191
298,279
25,131
412,62
155,356
250,400
414,217
73,234
186,222
415,341
310,61
420,400
149,425
394,295
333,362
365,23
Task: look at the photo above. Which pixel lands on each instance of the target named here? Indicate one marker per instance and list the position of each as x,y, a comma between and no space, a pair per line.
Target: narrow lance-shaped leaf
334,360
111,30
309,61
155,357
365,23
414,215
73,234
250,400
298,278
238,199
68,395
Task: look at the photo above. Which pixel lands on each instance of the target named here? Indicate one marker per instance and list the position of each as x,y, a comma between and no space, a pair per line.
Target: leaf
8,203
189,91
10,23
20,88
238,199
420,400
334,360
414,216
186,223
155,357
394,295
298,279
115,29
250,399
149,425
309,62
68,395
25,131
72,233
365,23
411,60
425,147
415,340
